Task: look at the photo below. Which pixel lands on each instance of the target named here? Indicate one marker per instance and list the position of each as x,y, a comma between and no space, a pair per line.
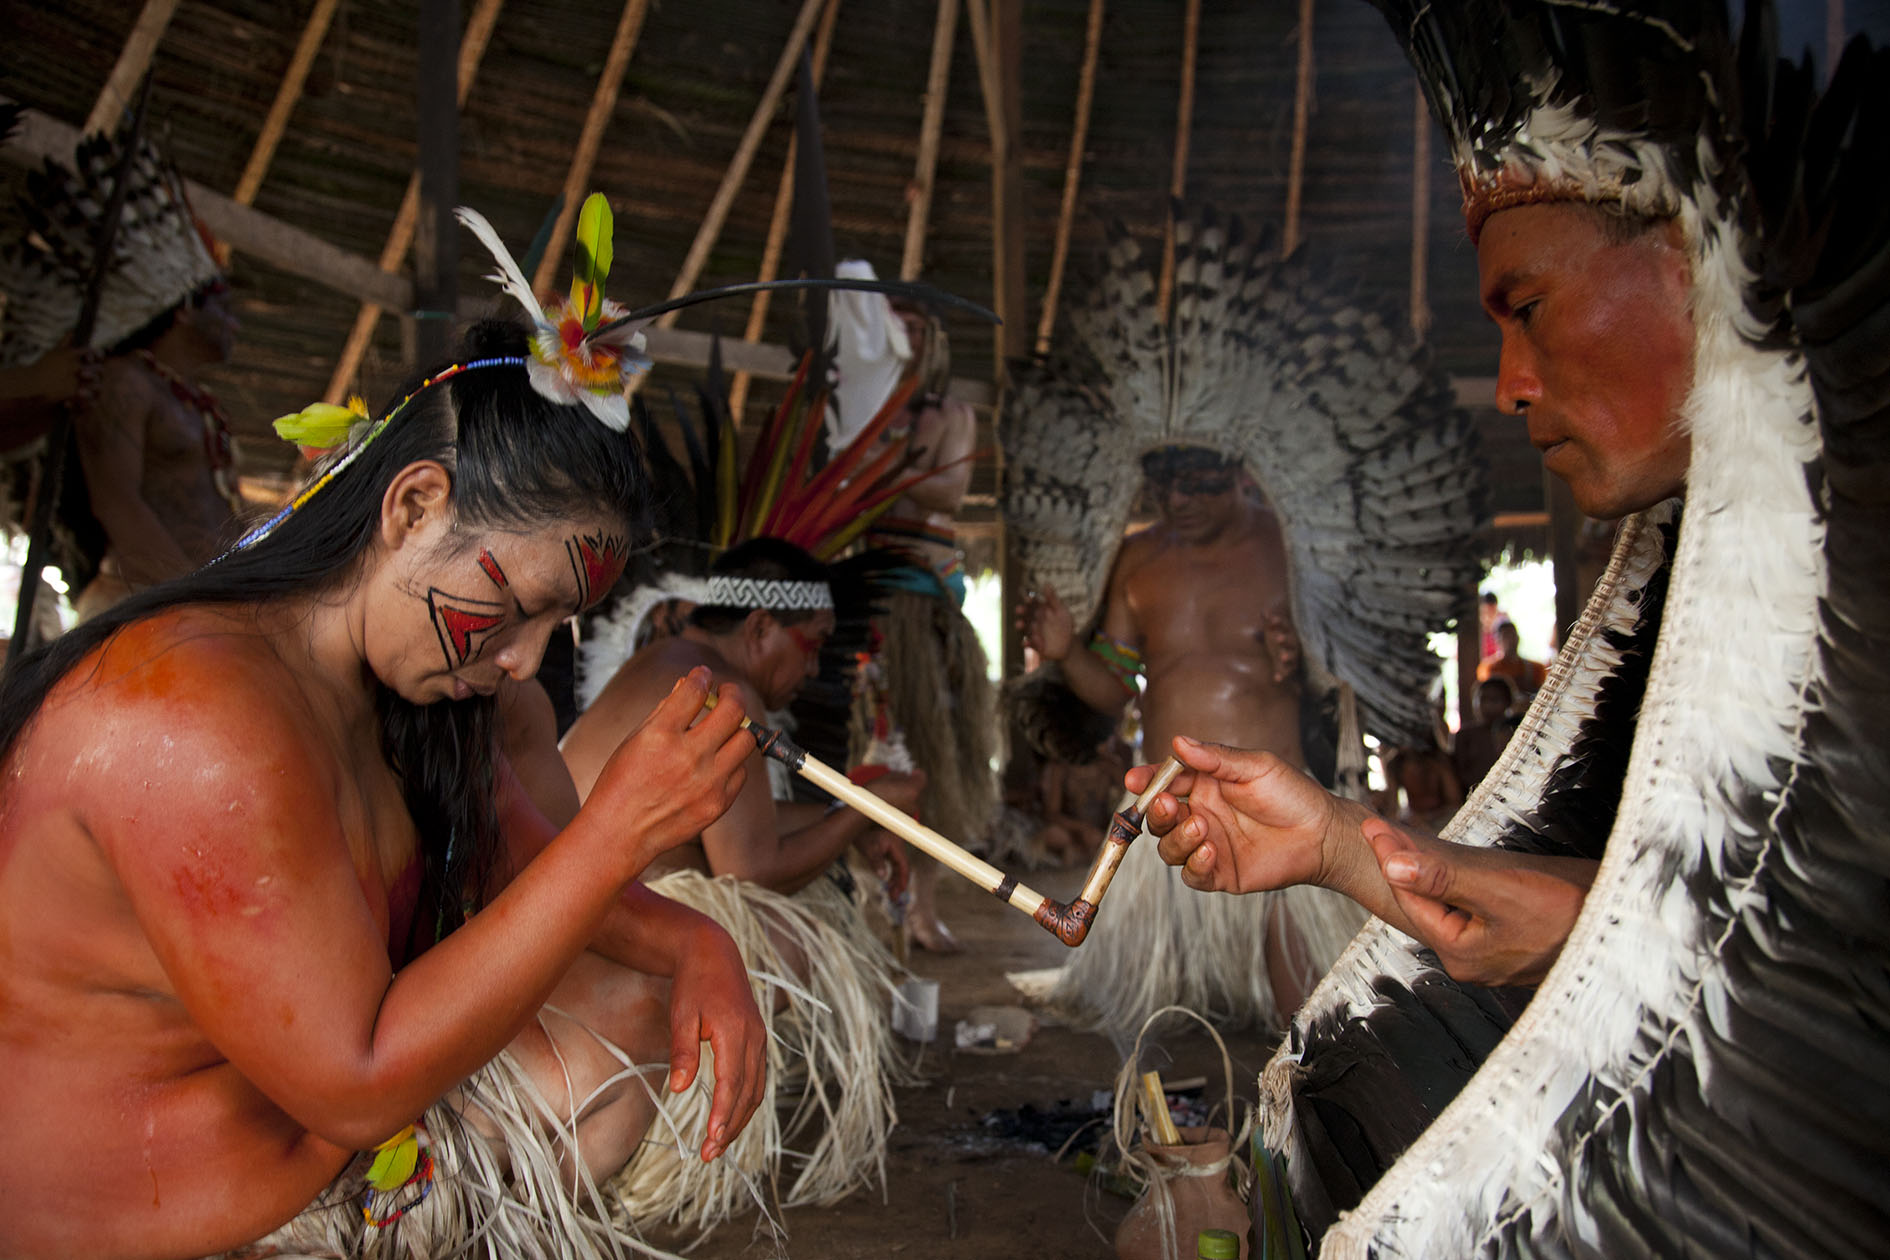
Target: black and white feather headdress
1337,412
1706,1069
159,256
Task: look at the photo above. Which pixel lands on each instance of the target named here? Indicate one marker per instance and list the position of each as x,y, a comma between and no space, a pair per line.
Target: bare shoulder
190,697
1139,549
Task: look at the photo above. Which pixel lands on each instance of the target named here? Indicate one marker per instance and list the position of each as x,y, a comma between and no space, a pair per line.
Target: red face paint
492,569
597,561
461,624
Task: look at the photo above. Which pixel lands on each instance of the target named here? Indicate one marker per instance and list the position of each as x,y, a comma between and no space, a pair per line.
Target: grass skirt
503,1198
820,1132
1157,942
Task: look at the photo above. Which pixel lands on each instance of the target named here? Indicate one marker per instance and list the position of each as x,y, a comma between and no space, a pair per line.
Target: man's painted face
793,657
493,605
1195,491
1597,350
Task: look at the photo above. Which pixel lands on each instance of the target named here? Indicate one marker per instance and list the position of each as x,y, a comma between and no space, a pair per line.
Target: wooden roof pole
998,70
1184,127
472,47
133,60
1420,212
1072,175
778,225
931,125
286,96
578,177
711,229
1302,109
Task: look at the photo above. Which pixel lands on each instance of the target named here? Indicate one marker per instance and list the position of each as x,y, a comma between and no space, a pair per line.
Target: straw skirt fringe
821,1130
499,1198
1158,942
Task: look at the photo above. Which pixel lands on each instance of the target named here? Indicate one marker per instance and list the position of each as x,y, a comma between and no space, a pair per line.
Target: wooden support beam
578,177
980,22
248,231
711,229
133,60
1072,177
931,126
287,94
1420,211
1008,218
472,49
436,236
1302,116
1178,177
997,38
778,223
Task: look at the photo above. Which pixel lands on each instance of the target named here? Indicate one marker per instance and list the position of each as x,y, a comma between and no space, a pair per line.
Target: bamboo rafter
711,229
1302,111
577,177
1072,176
290,91
472,50
1184,127
778,223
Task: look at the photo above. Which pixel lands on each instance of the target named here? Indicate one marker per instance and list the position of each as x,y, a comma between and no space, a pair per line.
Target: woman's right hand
674,774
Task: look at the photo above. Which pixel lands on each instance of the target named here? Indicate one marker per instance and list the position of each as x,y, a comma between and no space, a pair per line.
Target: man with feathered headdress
1682,846
1320,498
153,443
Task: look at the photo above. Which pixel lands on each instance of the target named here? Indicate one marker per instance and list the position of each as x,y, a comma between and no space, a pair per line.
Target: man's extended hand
1491,916
1049,629
709,999
1245,821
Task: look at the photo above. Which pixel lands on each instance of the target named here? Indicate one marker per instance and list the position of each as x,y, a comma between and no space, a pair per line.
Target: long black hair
517,460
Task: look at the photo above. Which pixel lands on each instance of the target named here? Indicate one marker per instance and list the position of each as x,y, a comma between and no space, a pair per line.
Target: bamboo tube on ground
1161,1124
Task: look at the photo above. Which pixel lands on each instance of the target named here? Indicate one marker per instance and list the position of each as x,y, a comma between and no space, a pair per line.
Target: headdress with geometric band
161,256
1714,730
707,506
1339,415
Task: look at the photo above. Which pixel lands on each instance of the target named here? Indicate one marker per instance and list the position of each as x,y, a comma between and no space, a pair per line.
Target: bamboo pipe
1069,922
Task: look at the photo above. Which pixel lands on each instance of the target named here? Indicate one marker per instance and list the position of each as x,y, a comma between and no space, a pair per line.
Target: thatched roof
696,74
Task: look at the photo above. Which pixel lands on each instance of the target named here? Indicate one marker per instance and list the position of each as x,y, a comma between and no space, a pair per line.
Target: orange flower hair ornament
575,357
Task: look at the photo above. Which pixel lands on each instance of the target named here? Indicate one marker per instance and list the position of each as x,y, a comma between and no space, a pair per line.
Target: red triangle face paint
597,560
492,569
461,623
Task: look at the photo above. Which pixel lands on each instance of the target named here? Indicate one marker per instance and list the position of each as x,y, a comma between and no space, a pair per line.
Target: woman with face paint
283,931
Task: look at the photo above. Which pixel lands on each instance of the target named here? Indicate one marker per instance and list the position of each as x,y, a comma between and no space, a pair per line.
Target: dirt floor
957,1186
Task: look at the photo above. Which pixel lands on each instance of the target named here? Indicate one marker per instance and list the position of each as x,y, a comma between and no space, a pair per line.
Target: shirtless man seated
763,871
765,654
1197,613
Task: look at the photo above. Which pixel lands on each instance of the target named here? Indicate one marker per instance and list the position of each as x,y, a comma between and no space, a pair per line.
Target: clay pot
1201,1199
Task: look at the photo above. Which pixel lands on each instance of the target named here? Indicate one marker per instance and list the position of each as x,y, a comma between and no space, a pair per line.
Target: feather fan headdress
1338,414
160,257
1703,1071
